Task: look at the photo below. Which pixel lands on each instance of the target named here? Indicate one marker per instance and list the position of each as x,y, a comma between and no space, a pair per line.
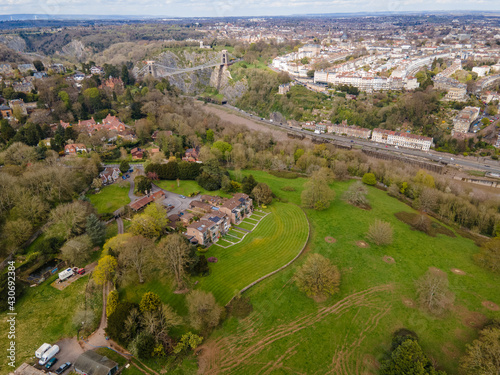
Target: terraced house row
216,216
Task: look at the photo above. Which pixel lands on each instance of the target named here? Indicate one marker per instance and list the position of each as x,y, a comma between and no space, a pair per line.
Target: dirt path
119,221
229,354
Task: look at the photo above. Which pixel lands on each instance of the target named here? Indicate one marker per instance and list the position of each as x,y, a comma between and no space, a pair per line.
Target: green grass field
110,198
44,314
186,187
351,331
277,240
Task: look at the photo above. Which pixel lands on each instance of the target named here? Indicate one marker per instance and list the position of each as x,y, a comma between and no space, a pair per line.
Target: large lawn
110,198
44,314
276,241
351,331
186,187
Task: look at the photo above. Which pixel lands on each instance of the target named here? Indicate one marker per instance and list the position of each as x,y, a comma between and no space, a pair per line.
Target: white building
406,140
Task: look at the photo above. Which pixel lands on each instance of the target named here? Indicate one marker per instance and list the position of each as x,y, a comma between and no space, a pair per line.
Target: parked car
182,197
50,363
81,271
63,368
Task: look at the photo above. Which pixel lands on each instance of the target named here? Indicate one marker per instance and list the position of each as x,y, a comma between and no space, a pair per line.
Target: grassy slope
277,239
110,198
187,187
44,314
363,327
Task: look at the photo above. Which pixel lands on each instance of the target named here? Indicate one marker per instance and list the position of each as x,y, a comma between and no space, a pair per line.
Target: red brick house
74,148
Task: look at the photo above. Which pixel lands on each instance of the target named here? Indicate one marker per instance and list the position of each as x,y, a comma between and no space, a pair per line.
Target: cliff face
221,79
13,42
75,49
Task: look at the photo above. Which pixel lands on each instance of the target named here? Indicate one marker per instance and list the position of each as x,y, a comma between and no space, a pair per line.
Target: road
482,164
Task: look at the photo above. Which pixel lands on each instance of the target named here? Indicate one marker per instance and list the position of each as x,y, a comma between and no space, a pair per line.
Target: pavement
179,204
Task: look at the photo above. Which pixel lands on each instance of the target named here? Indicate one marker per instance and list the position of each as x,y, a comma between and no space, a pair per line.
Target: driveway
69,351
179,204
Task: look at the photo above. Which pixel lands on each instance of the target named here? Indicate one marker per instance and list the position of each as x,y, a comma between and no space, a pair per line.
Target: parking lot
69,350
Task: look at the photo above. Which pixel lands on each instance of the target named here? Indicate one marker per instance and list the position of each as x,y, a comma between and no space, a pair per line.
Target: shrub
318,277
380,233
212,260
369,179
284,174
356,195
149,302
288,188
240,307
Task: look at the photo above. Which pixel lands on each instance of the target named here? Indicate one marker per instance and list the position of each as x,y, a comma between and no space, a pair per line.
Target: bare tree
318,277
204,312
136,254
172,254
262,194
356,195
77,250
159,322
380,233
433,292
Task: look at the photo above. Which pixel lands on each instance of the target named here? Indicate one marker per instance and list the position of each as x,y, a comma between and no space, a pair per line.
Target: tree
17,232
112,302
433,292
188,340
317,277
380,233
262,193
105,270
489,255
248,184
172,254
77,250
483,355
408,358
223,147
114,244
143,345
149,302
136,255
369,179
124,166
38,65
317,194
204,312
96,230
356,195
159,321
6,130
97,183
116,322
151,223
143,184
19,154
69,220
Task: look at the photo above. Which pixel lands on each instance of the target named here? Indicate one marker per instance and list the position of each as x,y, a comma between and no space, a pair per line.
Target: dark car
63,368
50,363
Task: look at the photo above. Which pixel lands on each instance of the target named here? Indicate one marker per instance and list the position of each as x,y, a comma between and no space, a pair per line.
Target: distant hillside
8,55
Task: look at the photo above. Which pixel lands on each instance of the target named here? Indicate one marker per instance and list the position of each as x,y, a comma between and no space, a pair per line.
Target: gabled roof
92,363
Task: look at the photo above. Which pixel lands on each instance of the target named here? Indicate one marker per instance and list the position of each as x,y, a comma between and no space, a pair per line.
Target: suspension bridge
157,70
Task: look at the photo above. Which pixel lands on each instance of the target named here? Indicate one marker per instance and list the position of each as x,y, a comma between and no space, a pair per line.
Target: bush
288,188
380,233
143,345
149,302
212,260
240,307
284,174
116,321
111,302
317,277
369,179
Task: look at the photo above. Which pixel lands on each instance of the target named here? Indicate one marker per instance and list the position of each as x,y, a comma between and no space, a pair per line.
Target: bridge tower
151,70
224,57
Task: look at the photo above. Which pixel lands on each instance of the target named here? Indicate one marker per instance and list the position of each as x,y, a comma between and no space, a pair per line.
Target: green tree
151,223
489,255
143,184
96,230
210,135
38,65
105,270
125,75
224,147
188,341
483,355
7,131
248,184
77,250
69,220
408,358
262,194
112,302
317,277
143,345
369,179
116,322
149,302
204,312
124,166
317,194
297,154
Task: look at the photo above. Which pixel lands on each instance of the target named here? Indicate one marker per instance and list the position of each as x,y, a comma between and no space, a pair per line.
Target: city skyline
225,8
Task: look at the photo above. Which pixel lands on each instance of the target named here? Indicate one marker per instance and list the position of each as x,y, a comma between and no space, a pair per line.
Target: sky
224,8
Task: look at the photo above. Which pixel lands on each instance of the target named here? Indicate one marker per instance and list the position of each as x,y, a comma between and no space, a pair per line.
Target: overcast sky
219,8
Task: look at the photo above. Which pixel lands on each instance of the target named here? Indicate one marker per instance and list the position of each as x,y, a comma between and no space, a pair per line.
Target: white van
42,349
66,274
48,355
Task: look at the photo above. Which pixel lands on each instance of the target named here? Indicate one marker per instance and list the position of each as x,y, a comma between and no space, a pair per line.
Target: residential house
200,207
237,207
6,69
400,139
24,87
109,175
222,221
202,232
96,70
58,68
137,153
144,201
191,154
283,89
214,201
18,103
5,111
92,363
26,369
112,83
186,217
74,148
40,75
349,130
113,123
